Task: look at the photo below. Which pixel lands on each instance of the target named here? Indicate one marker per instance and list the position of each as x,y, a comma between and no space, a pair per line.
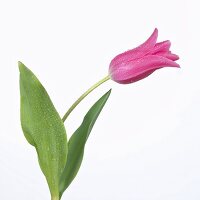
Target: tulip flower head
140,62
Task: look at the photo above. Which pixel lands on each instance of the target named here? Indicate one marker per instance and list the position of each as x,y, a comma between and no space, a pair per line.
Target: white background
146,142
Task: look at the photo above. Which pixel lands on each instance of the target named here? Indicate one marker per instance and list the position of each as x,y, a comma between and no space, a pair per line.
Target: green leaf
43,128
77,142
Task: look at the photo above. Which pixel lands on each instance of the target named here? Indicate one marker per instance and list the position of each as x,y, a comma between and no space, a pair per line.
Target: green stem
55,198
84,95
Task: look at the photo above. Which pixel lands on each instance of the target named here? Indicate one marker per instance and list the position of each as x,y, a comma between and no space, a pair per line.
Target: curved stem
84,95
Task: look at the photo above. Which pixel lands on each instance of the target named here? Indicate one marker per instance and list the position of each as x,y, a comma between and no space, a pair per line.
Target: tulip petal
137,52
135,70
168,55
136,78
161,46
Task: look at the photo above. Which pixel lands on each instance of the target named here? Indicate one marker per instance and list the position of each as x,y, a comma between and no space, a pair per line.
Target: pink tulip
140,62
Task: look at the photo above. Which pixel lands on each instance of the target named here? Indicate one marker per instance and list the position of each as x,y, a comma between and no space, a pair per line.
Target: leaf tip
21,66
108,93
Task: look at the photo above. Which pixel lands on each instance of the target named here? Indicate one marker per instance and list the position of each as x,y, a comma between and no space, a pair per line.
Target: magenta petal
136,78
137,52
168,55
149,43
161,46
172,56
135,70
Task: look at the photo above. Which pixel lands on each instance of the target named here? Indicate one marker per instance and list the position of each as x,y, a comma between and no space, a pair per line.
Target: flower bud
140,62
